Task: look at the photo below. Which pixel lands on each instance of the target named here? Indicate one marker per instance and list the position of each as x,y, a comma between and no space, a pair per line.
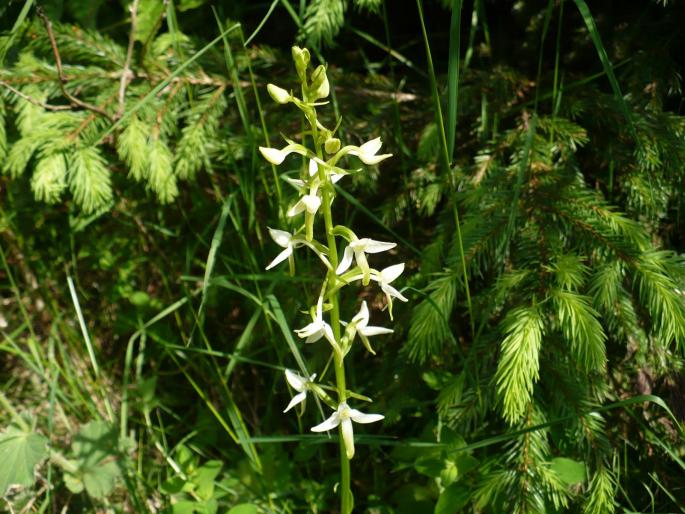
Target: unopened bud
332,145
278,94
301,57
320,86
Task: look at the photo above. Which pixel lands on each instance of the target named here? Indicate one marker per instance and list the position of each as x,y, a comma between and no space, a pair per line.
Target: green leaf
149,16
429,466
569,471
204,478
452,499
186,5
20,453
244,508
96,452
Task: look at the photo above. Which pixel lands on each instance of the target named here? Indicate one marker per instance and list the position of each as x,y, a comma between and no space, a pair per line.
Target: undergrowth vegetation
535,193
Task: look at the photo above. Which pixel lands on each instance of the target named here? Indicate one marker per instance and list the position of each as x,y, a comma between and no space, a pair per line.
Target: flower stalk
316,195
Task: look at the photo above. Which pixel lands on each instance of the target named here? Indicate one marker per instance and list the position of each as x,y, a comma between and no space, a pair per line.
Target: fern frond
429,327
518,367
161,178
600,495
662,294
133,148
581,328
49,178
323,19
203,123
89,179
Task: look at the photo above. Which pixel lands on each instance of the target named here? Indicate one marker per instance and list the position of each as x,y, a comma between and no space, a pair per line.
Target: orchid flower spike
300,384
360,325
367,152
344,416
290,242
358,248
318,328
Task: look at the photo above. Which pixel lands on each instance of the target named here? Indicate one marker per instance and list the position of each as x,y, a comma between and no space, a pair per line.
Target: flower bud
332,145
301,57
319,87
278,94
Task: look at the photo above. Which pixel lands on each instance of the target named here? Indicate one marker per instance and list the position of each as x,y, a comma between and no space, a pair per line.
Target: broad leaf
20,452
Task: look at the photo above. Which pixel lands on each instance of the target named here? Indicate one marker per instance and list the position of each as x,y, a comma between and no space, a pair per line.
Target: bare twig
126,75
62,79
34,101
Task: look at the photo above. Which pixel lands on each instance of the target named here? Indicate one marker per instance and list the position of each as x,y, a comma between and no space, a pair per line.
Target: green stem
346,499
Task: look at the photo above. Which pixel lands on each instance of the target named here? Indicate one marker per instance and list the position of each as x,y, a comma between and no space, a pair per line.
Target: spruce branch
34,101
61,77
126,74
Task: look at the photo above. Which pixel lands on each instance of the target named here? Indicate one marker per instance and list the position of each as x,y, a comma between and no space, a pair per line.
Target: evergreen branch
34,101
519,364
60,72
126,73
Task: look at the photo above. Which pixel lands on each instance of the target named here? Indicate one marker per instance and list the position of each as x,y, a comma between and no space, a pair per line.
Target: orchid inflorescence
316,188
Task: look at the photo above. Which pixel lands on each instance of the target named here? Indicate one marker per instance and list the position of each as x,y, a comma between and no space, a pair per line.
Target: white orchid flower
384,278
367,152
300,384
357,249
276,156
332,175
309,203
344,416
318,328
290,243
360,325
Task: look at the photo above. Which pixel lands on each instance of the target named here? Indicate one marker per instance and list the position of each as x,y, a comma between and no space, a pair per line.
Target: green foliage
519,366
95,454
569,186
21,450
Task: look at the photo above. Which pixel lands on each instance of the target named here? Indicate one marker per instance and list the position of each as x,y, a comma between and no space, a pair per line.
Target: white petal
295,182
372,246
346,260
329,424
392,292
296,209
313,328
311,203
348,437
392,272
371,147
328,332
280,258
313,338
362,317
313,168
374,159
296,381
374,331
335,177
281,237
298,398
360,417
273,155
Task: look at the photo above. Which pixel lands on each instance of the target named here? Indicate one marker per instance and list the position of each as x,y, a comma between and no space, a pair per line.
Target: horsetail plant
317,192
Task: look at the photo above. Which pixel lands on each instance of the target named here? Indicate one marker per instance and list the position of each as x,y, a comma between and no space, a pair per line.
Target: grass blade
453,77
